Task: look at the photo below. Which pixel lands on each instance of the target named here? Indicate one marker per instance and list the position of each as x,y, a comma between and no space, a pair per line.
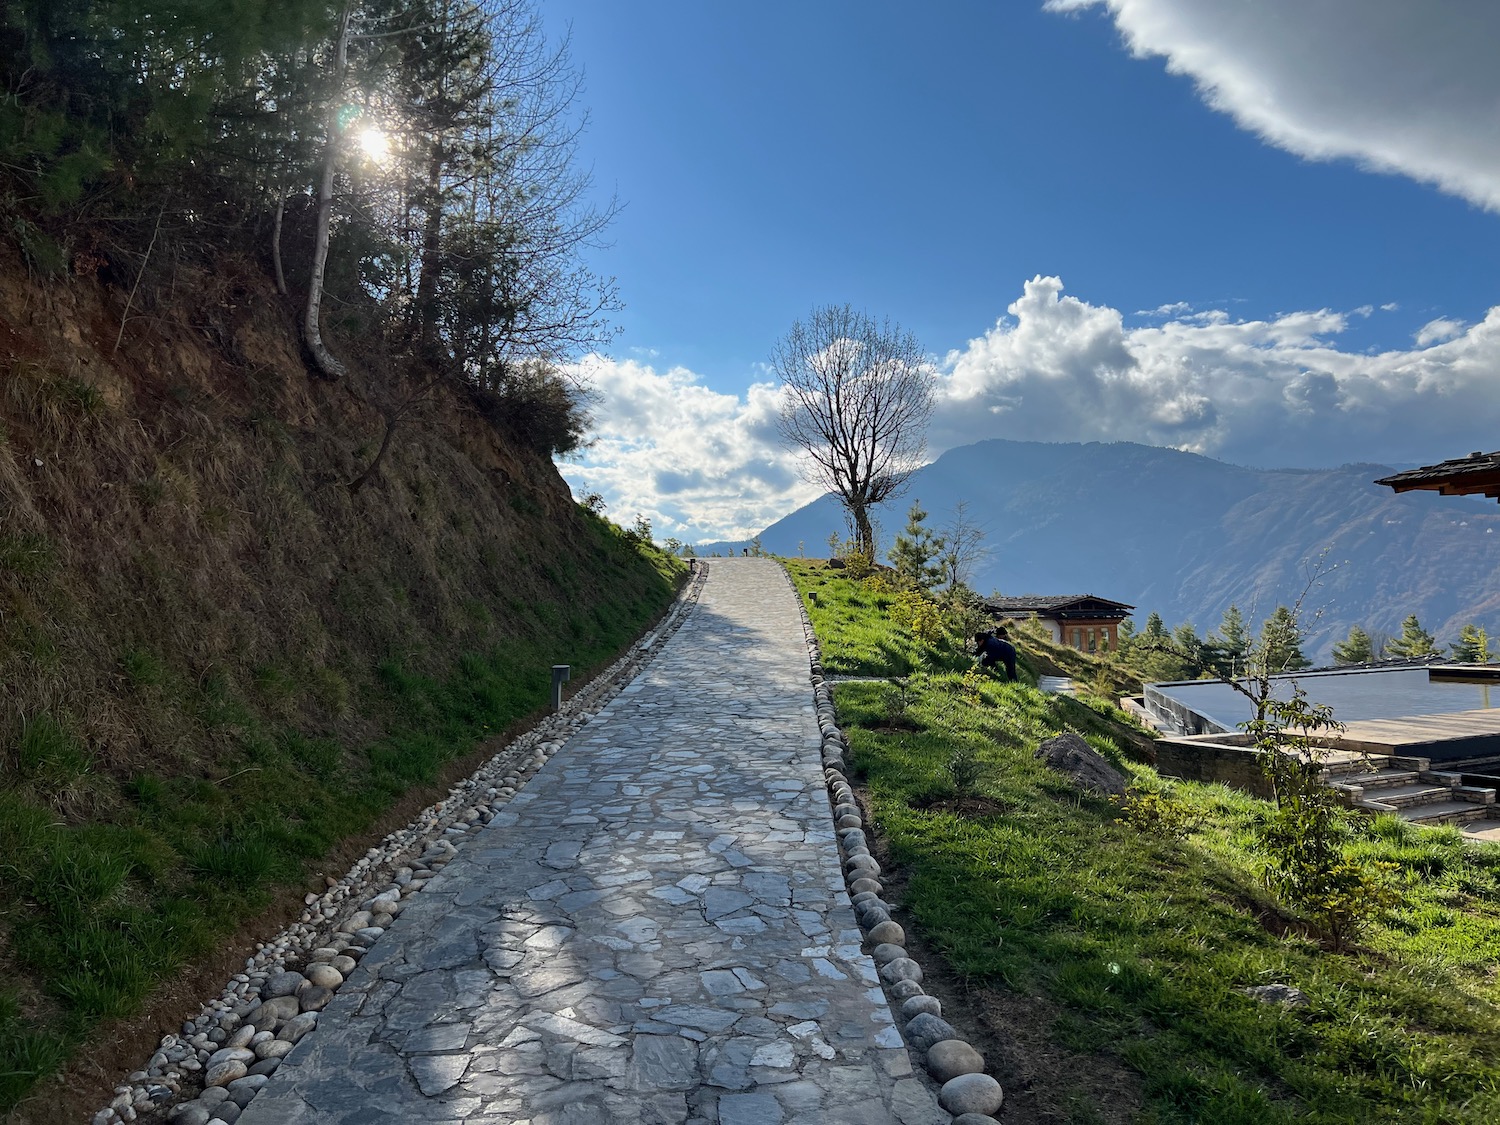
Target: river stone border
210,1071
967,1092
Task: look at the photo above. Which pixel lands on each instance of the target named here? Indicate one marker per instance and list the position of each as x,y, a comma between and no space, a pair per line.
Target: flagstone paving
654,931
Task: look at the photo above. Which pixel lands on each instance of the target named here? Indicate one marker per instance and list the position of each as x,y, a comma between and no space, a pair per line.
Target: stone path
654,932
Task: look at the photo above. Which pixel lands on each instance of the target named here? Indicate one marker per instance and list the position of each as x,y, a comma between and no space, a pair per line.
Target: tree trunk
311,329
276,242
432,229
864,534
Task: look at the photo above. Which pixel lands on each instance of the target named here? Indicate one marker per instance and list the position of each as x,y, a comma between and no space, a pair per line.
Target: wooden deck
1460,734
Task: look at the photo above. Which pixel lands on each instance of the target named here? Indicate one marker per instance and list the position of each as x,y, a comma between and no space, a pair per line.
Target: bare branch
857,394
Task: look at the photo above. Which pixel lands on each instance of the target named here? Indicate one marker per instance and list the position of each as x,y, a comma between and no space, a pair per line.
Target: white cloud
1259,392
1436,331
1174,308
1276,392
698,463
1403,87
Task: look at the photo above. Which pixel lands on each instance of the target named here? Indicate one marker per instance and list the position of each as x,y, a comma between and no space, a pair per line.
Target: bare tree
858,393
312,330
963,547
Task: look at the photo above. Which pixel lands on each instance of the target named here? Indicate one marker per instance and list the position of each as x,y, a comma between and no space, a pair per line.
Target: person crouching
994,648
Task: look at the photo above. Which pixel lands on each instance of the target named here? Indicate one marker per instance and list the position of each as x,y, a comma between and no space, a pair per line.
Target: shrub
919,615
537,405
1157,812
640,531
898,697
1303,837
969,685
858,564
965,770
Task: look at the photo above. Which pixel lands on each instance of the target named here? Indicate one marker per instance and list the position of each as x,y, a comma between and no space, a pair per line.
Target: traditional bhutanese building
1478,474
1081,621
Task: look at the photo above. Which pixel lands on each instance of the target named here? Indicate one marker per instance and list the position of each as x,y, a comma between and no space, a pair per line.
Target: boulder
887,931
925,1029
886,953
1283,994
948,1058
1069,754
914,1006
971,1093
902,968
282,984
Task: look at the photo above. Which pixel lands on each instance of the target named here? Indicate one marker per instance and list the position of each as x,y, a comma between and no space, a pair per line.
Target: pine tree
1281,642
1190,649
1414,643
1473,646
1228,648
917,552
1155,633
963,548
1154,654
1354,649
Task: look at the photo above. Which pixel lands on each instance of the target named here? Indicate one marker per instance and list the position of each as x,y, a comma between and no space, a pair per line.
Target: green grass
101,908
27,555
857,637
1142,941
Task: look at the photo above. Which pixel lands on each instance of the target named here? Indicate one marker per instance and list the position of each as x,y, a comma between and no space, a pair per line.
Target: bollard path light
561,673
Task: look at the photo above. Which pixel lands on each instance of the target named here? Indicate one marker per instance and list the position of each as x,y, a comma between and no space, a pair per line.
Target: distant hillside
1186,535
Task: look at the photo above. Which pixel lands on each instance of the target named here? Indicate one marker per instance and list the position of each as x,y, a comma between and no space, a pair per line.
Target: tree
857,394
1414,643
1191,648
1229,646
1155,655
917,552
475,231
312,331
1473,646
1304,838
963,547
1355,648
1281,642
486,109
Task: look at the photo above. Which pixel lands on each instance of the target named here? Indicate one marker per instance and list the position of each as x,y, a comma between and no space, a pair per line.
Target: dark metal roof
1475,475
1047,603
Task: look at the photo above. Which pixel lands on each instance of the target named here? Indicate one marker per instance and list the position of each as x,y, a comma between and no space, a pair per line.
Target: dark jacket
996,651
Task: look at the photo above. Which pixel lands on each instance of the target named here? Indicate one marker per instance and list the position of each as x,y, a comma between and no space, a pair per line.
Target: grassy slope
1139,941
216,663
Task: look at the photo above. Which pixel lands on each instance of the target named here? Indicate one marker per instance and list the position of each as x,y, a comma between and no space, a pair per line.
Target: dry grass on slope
217,662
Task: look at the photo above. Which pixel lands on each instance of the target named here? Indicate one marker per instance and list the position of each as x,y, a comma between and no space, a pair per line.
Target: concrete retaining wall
1176,718
1213,758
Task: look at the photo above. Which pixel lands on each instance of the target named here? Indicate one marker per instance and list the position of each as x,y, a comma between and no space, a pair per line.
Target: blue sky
1311,200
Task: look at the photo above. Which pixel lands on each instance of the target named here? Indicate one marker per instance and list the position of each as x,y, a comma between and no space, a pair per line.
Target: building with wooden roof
1478,474
1082,621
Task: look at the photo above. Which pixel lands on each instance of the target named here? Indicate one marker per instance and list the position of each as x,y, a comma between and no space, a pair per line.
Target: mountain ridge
1186,535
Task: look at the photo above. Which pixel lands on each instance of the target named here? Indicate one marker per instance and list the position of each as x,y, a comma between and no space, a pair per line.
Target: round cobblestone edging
209,1073
972,1096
